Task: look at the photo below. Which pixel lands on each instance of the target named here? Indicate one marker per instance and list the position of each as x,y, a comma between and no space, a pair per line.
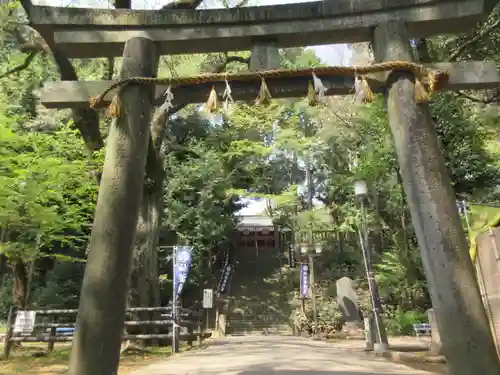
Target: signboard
226,274
304,280
292,261
25,322
182,262
208,298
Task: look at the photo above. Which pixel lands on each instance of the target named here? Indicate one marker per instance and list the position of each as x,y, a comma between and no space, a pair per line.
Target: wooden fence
51,331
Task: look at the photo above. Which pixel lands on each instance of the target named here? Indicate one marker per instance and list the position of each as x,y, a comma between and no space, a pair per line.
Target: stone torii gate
141,35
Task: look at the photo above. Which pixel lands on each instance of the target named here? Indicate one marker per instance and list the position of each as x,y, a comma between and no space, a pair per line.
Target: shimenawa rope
436,80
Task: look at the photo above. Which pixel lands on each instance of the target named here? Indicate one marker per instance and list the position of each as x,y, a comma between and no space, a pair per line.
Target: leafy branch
219,68
461,48
455,55
19,68
495,98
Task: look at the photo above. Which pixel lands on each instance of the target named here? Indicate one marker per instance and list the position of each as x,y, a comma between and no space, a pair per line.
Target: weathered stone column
265,55
101,313
465,334
435,347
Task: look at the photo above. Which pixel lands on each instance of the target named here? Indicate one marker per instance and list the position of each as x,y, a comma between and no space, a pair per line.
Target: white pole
466,215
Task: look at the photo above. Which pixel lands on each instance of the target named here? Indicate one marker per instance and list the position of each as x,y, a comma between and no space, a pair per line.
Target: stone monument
348,302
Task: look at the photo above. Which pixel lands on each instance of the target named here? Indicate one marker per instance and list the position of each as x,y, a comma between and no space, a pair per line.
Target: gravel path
276,355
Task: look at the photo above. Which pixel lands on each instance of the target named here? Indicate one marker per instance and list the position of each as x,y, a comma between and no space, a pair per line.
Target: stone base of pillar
370,330
435,347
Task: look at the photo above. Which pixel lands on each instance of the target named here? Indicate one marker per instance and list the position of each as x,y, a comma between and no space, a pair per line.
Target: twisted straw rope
436,78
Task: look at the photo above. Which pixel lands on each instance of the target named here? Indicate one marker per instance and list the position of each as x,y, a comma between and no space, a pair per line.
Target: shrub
399,322
62,288
329,317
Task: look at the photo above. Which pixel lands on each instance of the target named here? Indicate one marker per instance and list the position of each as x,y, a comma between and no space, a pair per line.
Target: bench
422,329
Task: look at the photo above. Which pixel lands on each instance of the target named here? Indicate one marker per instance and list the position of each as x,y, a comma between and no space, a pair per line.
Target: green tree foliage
46,189
464,137
60,287
197,206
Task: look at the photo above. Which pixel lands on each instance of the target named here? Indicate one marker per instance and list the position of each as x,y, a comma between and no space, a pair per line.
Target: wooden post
10,331
101,313
200,330
463,325
50,345
190,331
53,330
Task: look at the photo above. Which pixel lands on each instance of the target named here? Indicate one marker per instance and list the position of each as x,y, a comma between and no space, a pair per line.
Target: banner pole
175,349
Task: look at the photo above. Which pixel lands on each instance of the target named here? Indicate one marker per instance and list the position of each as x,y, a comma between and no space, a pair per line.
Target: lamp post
360,190
310,248
462,210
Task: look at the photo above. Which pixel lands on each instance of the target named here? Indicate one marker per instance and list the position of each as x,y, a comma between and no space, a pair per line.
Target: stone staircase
259,304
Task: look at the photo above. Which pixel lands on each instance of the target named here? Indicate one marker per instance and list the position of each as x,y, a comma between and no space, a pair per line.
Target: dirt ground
25,360
280,355
411,351
435,368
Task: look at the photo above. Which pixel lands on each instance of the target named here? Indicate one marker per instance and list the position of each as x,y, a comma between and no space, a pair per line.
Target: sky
338,54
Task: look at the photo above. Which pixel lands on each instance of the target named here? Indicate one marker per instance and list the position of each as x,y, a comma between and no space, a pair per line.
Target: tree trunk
101,312
145,287
155,222
144,284
20,283
19,274
86,120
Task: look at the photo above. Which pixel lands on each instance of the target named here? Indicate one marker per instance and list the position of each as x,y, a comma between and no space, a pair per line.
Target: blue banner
225,262
181,267
304,280
226,274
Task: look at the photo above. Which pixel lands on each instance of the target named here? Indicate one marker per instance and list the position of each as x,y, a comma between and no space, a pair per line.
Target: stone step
257,302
